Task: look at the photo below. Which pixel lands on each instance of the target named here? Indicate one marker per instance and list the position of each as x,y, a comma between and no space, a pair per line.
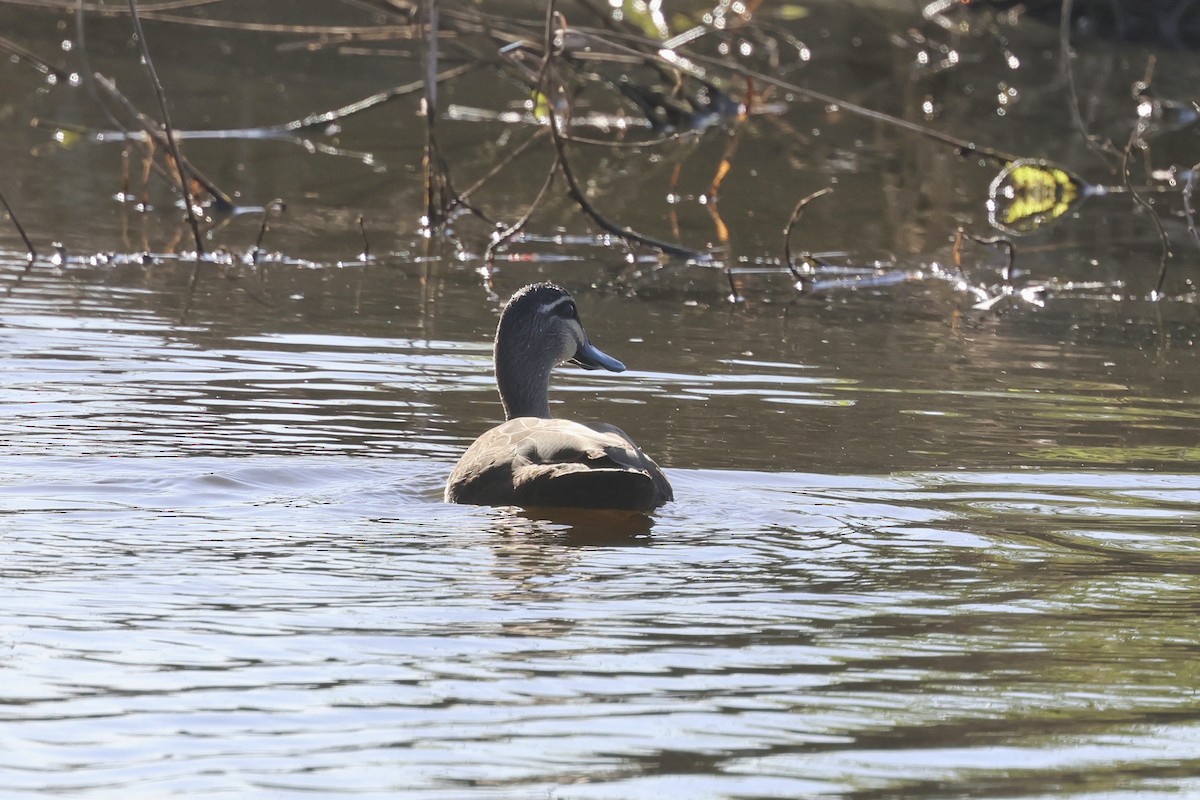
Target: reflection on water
228,569
273,624
706,386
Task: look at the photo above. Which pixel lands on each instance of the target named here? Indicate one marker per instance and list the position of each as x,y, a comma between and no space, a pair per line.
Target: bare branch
787,234
275,205
166,118
32,253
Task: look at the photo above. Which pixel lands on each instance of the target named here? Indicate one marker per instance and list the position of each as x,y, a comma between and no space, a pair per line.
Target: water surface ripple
263,624
226,570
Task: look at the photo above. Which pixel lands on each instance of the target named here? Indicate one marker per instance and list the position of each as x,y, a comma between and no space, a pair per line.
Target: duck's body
529,461
532,460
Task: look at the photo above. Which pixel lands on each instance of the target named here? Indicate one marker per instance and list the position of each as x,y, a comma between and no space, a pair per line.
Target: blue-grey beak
589,357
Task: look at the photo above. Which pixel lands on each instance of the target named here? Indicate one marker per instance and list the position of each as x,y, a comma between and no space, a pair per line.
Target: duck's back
530,461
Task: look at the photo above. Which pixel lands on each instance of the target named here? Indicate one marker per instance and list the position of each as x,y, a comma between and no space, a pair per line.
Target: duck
533,460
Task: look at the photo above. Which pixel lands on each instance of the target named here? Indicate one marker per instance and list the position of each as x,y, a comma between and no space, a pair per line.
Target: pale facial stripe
548,308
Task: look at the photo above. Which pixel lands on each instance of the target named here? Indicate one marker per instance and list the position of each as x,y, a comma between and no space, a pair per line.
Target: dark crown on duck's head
539,297
540,328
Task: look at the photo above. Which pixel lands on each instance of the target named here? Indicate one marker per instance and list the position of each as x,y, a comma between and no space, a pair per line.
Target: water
917,550
206,626
227,569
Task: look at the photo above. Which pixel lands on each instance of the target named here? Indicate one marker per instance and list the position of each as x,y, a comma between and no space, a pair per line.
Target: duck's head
539,329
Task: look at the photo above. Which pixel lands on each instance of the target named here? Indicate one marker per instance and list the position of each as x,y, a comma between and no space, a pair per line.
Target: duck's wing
484,474
628,455
542,462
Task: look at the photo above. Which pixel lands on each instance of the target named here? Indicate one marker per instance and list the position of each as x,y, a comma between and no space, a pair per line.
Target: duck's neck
523,379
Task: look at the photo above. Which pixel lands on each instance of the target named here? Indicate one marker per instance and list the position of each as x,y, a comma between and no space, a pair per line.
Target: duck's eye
567,310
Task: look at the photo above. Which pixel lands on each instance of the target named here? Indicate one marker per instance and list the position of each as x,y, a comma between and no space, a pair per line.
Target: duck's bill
589,357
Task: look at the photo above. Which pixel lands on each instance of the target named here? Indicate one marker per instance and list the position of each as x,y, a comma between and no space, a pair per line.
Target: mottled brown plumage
532,460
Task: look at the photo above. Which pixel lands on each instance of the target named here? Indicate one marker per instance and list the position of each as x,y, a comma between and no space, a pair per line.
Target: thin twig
362,229
166,118
1164,240
32,253
155,12
637,143
1135,139
112,11
1003,242
39,63
275,205
509,158
156,136
498,239
624,232
190,294
556,133
440,196
962,146
712,197
726,163
325,118
1193,173
152,133
577,194
90,82
1066,67
787,234
436,201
